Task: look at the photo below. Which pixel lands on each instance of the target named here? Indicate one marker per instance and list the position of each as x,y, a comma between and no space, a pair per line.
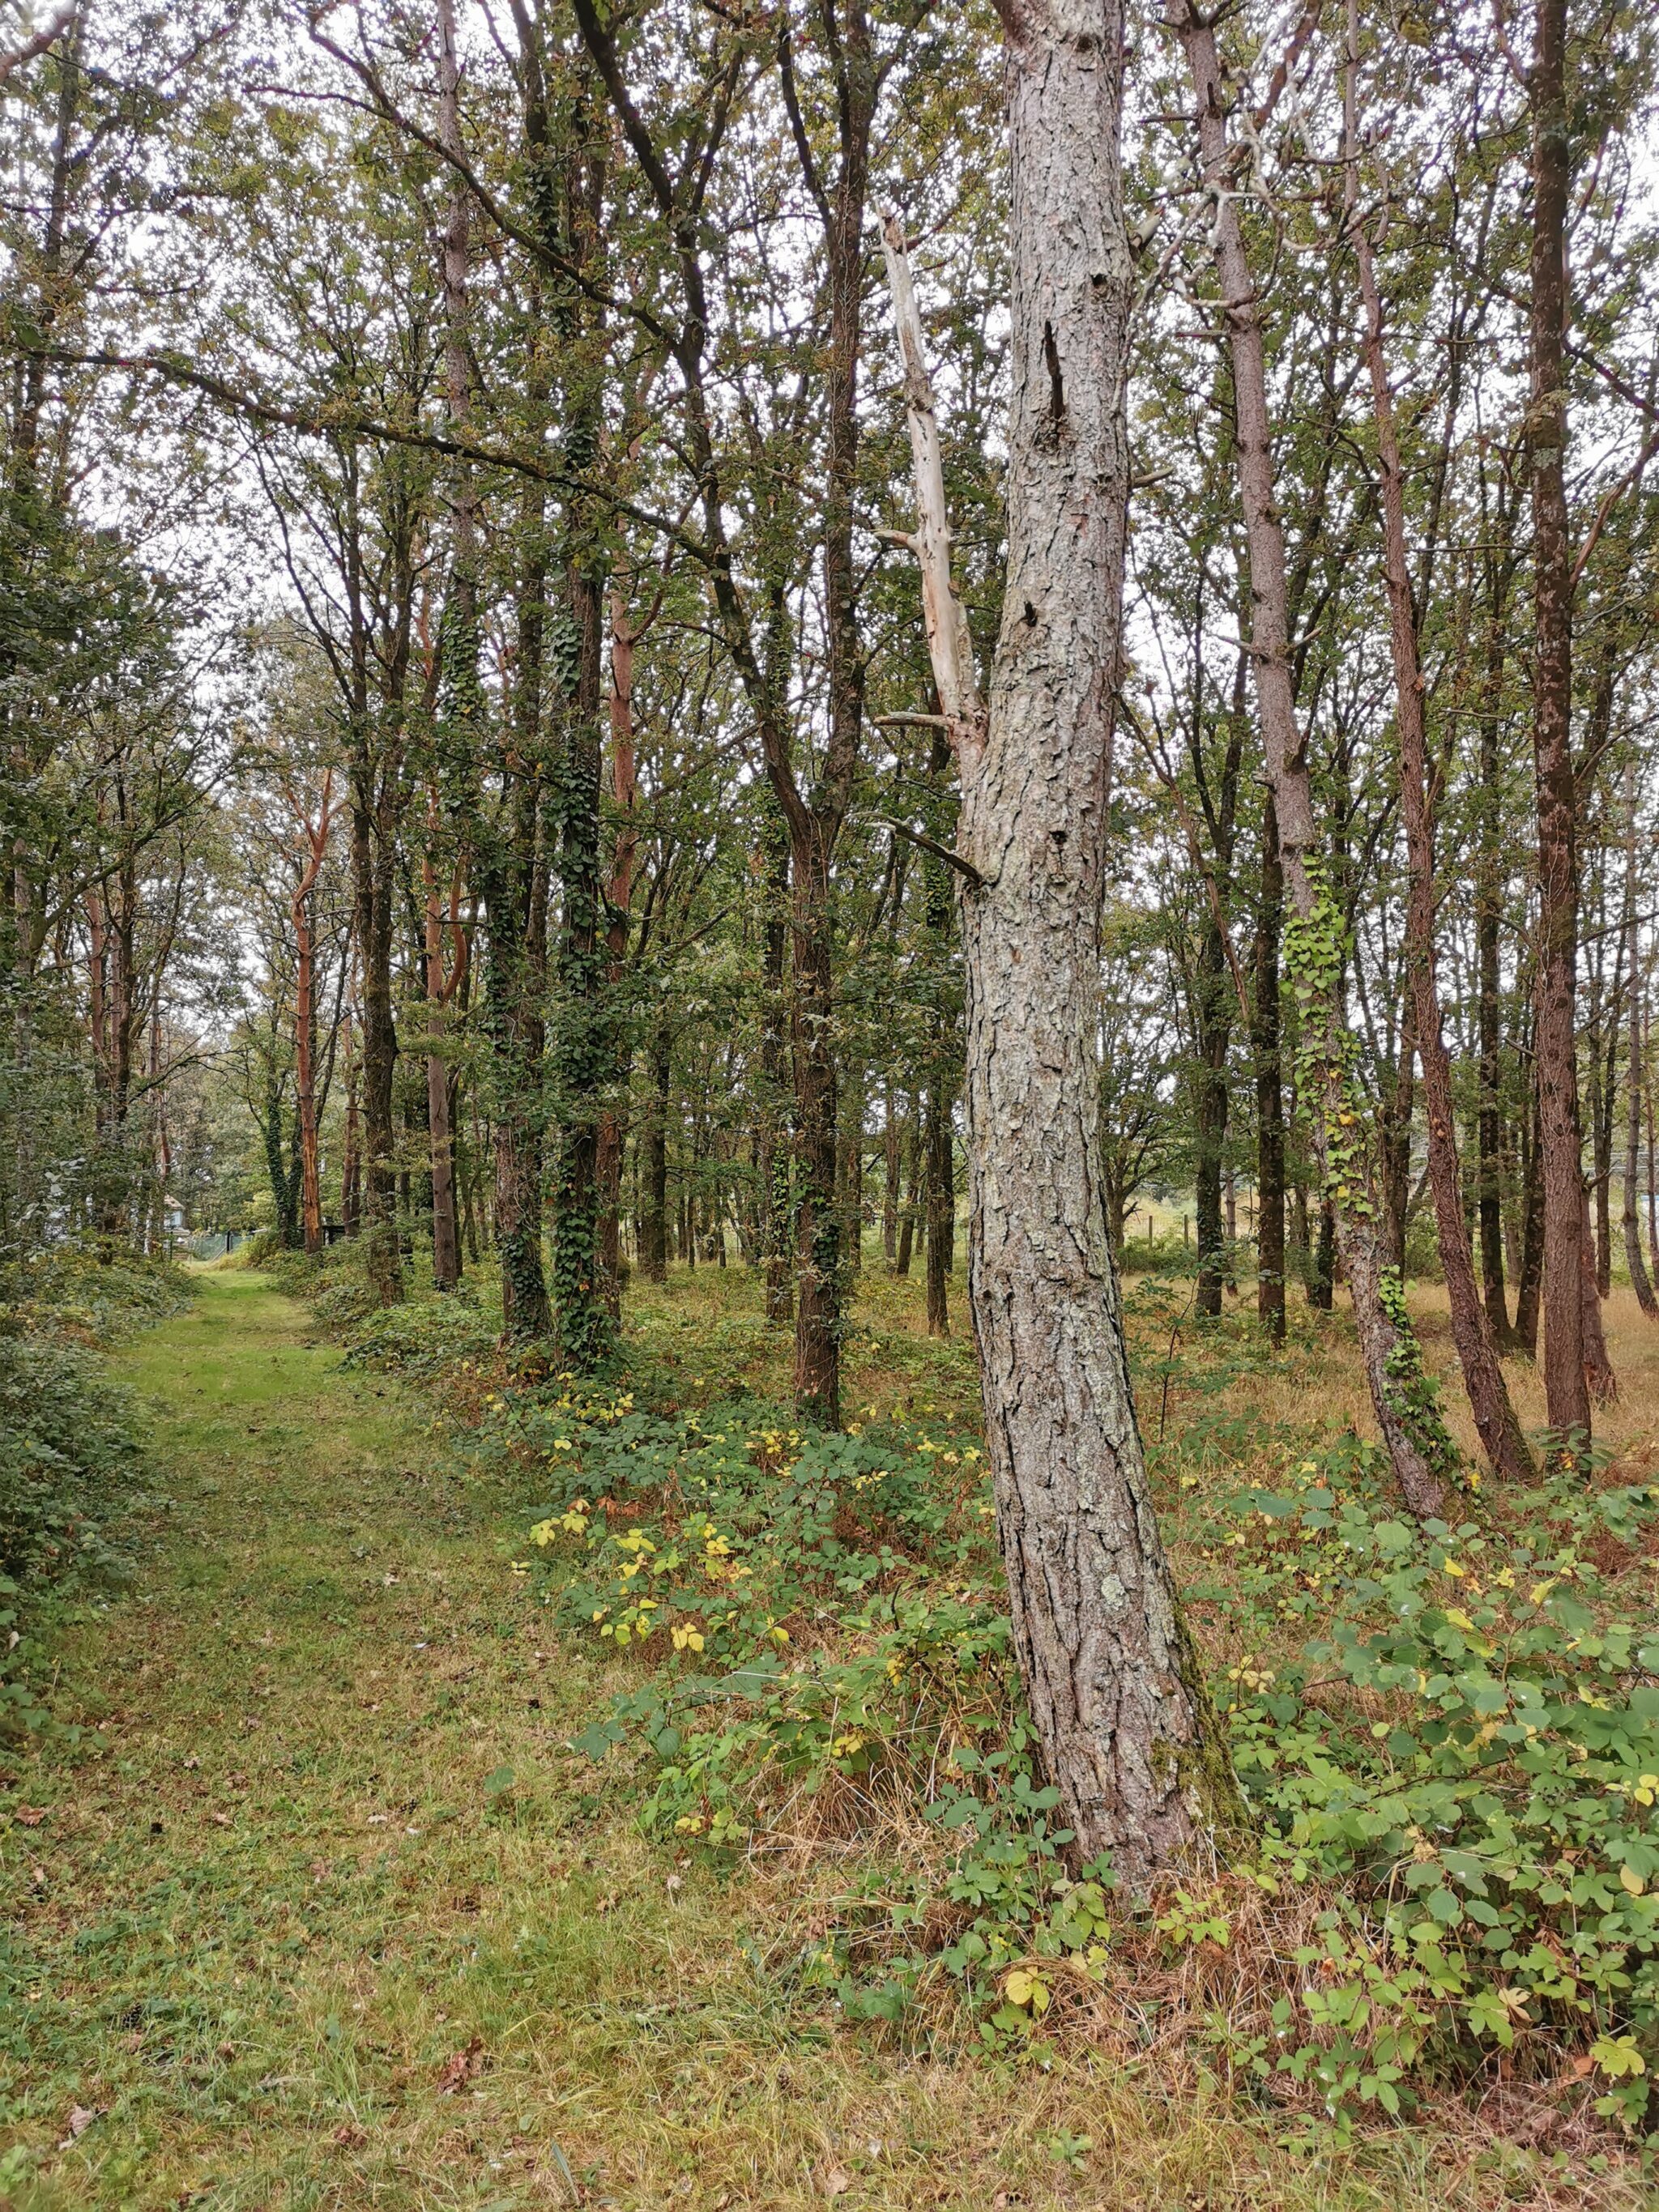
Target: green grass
258,1927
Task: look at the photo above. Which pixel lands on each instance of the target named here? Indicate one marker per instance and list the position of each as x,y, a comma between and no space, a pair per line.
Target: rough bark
1566,1392
1115,1686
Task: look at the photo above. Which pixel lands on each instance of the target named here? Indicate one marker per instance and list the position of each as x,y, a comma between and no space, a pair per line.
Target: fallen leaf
833,2180
350,2136
219,1819
29,1816
462,2067
80,2120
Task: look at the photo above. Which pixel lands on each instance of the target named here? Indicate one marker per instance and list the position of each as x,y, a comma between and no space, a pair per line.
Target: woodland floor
284,1931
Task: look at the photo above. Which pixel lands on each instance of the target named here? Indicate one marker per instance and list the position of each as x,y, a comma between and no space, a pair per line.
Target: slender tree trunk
1214,1013
1565,1389
1495,1418
889,1196
619,897
1528,1292
441,1132
1600,1381
913,1177
775,1146
653,1216
1488,910
463,701
511,881
1115,1684
1269,1089
1396,1142
351,1157
371,864
1631,1222
305,1077
1413,1430
941,1205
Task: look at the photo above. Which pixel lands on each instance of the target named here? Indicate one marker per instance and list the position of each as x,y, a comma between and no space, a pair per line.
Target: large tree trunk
1566,1390
1114,1682
1269,1089
1420,1449
1495,1418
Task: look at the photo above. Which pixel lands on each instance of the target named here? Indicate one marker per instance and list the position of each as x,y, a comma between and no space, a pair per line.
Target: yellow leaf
1632,1880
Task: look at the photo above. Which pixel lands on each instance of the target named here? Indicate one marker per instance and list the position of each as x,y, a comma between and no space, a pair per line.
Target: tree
1114,1681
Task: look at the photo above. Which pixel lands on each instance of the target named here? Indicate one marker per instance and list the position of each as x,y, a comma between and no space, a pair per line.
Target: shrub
69,1463
1449,1735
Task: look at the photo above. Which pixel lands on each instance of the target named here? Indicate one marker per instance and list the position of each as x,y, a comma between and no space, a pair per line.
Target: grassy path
290,1941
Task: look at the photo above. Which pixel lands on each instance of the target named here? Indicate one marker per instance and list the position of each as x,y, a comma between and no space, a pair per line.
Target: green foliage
69,1457
1450,1736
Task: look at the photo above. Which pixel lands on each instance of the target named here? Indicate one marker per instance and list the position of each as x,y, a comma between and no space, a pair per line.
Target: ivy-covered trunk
1495,1416
1403,1395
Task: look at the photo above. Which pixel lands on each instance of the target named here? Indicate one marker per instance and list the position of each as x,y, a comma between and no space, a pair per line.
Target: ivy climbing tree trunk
1495,1417
1116,1688
1403,1397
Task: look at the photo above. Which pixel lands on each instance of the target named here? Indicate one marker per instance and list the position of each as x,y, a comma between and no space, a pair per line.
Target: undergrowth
70,1463
1449,1735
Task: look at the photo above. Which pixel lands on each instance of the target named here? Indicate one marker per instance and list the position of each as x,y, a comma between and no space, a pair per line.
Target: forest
827,1093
